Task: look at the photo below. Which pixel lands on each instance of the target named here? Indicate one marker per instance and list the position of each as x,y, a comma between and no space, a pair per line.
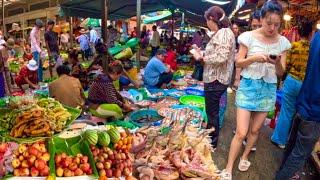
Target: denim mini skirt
256,95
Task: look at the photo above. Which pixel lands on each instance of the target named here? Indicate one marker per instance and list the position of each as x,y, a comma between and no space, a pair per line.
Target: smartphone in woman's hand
273,58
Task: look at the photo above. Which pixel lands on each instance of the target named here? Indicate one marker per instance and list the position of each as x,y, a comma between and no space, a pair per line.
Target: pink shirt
35,40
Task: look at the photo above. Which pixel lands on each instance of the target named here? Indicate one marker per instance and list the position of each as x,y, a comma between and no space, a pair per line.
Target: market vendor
28,75
156,73
125,79
67,89
104,100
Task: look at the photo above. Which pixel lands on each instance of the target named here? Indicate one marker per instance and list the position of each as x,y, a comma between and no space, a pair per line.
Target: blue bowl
151,113
194,91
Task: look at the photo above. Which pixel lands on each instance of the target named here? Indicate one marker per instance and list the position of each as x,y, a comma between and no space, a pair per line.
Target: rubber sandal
244,165
225,175
295,177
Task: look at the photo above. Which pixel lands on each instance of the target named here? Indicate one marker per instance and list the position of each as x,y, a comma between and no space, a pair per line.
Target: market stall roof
117,8
194,9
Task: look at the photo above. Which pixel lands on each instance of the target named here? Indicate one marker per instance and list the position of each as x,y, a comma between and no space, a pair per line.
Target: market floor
265,161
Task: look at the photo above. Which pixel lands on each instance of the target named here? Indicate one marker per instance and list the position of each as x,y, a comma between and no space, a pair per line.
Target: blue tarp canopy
117,8
194,9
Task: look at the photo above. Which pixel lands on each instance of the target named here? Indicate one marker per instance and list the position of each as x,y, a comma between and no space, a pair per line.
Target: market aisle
265,161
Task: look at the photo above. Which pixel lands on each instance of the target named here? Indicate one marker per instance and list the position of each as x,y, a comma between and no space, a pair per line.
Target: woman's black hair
305,27
115,67
63,69
271,6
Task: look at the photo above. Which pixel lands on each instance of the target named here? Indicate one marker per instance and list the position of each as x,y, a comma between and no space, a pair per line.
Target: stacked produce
67,166
34,118
183,152
15,64
6,157
31,160
111,152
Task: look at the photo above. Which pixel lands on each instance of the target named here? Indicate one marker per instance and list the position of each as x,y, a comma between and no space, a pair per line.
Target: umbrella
153,17
90,22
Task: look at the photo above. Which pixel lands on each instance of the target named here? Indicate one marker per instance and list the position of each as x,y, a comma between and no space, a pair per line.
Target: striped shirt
219,57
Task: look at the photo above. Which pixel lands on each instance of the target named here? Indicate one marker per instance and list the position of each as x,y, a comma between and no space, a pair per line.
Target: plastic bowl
192,100
152,113
194,91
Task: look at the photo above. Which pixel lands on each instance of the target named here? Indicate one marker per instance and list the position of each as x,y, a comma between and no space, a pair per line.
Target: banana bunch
61,116
32,123
56,113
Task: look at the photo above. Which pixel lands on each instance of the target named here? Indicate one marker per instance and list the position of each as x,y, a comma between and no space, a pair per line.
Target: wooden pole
3,25
172,23
104,19
182,26
104,32
71,32
138,33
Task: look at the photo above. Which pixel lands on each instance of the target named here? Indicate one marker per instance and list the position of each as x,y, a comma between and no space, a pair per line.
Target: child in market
171,58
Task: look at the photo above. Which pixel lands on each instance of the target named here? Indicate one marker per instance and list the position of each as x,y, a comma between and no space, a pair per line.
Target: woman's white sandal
244,165
225,175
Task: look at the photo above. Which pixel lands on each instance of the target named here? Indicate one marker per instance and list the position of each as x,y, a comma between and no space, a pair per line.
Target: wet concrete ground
264,162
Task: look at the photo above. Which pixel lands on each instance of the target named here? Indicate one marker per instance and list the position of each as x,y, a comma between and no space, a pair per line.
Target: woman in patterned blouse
104,99
296,68
218,65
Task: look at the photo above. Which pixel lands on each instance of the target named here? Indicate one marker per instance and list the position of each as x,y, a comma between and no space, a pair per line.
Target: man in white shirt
35,45
154,41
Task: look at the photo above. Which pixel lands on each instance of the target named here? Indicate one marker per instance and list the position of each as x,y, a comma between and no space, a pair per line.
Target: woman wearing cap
28,75
218,65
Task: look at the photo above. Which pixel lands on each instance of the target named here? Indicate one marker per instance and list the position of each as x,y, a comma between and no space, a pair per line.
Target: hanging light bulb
217,2
287,17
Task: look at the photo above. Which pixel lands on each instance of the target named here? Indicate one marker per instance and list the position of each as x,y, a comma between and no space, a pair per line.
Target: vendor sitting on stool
104,100
156,73
28,75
